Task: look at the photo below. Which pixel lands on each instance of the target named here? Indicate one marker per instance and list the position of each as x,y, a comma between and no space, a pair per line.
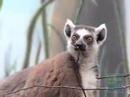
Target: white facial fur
98,32
82,33
87,73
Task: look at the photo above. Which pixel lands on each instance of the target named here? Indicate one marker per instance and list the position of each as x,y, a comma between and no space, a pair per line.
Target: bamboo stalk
31,31
38,53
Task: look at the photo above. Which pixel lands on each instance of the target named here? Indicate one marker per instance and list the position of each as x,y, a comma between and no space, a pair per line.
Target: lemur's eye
75,37
88,39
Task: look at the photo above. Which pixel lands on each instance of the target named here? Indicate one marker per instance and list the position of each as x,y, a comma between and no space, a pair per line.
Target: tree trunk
113,59
95,12
63,9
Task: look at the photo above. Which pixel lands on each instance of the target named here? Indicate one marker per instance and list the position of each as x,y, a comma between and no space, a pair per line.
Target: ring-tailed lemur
84,41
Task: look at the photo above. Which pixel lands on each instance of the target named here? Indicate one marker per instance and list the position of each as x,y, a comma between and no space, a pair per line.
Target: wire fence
79,88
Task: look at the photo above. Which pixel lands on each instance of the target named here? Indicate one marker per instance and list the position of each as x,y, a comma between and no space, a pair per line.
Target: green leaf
1,2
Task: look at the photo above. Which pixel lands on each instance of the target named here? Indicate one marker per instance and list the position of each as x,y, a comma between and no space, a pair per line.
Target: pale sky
127,26
15,17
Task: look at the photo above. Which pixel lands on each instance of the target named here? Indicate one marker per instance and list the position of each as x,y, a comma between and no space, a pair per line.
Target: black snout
80,47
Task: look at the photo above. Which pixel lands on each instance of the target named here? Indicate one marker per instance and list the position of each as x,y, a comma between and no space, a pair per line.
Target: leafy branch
31,32
1,2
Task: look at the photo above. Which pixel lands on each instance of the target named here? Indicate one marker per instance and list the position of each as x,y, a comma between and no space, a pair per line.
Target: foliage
9,67
79,11
31,31
1,2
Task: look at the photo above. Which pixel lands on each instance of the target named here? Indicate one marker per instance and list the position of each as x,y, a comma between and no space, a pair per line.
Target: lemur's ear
101,32
68,28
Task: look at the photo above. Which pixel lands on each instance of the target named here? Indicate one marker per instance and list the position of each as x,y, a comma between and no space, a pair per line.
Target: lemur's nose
80,46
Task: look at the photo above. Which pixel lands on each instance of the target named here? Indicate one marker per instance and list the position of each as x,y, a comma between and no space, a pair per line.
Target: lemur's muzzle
80,47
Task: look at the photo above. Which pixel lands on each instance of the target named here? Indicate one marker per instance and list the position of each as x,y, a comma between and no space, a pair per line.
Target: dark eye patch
75,37
88,39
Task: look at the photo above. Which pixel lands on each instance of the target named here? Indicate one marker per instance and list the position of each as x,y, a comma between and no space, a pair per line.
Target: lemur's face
85,39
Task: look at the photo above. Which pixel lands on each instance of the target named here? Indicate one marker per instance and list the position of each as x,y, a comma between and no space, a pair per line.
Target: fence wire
78,88
112,76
